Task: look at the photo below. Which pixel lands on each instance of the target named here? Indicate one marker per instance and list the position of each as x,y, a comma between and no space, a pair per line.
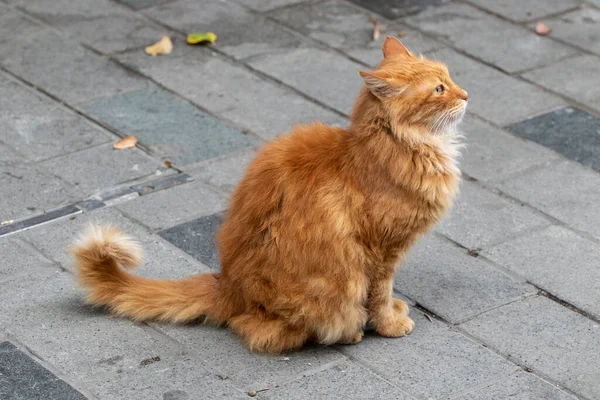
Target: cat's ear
380,84
393,46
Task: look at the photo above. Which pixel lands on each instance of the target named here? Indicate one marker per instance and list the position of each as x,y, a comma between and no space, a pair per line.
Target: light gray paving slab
170,207
323,75
39,128
432,361
520,11
348,28
346,380
580,28
567,191
101,167
480,217
77,340
266,5
222,352
161,260
20,259
8,156
28,190
493,95
446,280
224,173
100,24
492,154
557,260
66,70
519,386
547,337
262,107
170,378
510,47
571,77
15,25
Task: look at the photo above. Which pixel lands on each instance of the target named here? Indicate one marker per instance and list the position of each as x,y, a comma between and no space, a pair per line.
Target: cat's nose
464,95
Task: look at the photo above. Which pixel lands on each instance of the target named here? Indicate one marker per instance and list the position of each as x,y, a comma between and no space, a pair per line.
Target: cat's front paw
352,340
400,306
395,326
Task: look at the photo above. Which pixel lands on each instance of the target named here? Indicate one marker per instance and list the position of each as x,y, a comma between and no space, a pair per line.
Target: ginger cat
318,224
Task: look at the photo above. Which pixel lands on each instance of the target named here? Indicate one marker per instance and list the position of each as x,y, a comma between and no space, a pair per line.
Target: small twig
375,28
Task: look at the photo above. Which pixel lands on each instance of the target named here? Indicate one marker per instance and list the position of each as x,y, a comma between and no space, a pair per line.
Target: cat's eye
439,89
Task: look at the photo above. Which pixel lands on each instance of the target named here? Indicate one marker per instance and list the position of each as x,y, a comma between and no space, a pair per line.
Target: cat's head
415,91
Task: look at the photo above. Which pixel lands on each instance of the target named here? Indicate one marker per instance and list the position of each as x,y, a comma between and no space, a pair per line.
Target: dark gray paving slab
100,24
569,131
39,128
197,238
480,218
547,337
433,361
101,167
446,280
520,11
571,77
397,8
558,261
488,88
65,69
172,128
139,4
262,107
567,191
266,5
580,28
492,154
510,47
348,28
225,173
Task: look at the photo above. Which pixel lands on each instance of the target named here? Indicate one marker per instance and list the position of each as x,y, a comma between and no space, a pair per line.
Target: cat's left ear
380,84
393,46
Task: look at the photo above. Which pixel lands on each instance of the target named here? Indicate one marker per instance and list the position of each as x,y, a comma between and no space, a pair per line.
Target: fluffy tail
103,250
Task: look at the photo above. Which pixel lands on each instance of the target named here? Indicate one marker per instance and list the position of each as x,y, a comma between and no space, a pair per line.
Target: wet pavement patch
397,8
168,126
22,378
197,238
569,131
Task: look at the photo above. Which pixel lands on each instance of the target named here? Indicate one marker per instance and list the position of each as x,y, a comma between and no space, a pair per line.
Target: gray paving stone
580,28
223,353
547,337
397,8
172,128
170,378
568,131
510,47
520,11
262,107
19,259
66,70
567,191
138,4
9,156
29,191
558,261
101,167
100,24
225,173
492,154
323,75
519,386
493,95
348,28
171,207
480,218
197,238
444,279
15,25
266,5
240,32
39,128
162,260
432,361
346,380
74,338
571,77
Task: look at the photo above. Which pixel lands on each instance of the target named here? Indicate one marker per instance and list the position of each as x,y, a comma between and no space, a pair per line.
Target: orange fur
318,224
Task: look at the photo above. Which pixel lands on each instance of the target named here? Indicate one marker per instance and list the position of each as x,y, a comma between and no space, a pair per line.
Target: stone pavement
506,291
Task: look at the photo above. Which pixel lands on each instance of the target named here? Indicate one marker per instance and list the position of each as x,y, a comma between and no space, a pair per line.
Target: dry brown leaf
126,142
168,164
375,28
164,46
542,29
